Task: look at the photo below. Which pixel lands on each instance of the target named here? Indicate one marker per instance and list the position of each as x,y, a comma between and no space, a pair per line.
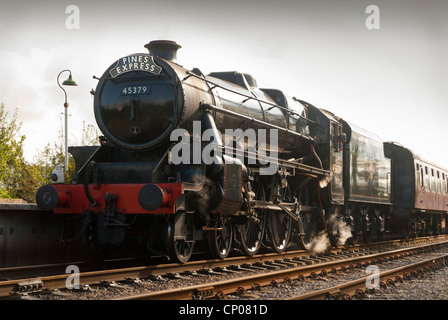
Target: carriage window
444,184
421,171
419,182
433,181
426,183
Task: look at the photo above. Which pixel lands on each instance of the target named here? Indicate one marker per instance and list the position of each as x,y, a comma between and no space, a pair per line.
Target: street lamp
68,82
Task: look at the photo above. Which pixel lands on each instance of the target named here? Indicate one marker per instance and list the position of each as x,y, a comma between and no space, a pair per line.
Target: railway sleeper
337,295
27,287
203,293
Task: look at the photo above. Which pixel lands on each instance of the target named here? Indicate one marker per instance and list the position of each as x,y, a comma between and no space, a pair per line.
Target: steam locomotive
191,160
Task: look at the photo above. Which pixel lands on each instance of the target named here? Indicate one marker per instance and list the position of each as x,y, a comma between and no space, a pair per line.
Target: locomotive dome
137,100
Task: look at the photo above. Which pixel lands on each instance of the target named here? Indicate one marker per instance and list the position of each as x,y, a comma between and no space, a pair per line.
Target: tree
53,155
21,179
17,177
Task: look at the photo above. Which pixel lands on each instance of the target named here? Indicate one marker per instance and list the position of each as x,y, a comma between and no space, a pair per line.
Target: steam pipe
317,157
210,124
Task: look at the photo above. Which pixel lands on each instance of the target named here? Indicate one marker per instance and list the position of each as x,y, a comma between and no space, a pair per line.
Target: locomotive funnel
164,49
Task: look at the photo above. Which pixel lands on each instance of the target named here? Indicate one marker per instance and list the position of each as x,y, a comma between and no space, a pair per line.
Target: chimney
164,49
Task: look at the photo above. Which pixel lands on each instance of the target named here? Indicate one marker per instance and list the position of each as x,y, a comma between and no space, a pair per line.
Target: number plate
135,90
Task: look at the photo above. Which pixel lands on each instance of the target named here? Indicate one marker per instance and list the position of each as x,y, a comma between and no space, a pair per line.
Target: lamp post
68,82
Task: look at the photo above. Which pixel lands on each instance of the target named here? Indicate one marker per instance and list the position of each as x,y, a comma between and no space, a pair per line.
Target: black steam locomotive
189,159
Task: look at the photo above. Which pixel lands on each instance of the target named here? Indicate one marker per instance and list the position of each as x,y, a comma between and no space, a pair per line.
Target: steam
337,228
323,183
321,243
205,197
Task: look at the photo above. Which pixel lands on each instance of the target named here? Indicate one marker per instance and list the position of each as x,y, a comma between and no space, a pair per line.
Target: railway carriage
419,190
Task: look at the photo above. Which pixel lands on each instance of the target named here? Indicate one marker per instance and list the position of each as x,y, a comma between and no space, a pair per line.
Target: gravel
432,286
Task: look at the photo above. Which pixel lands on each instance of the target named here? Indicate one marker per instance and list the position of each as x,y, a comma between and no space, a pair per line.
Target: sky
391,80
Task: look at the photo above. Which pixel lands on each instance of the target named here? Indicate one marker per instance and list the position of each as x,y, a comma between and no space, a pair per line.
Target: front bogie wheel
180,243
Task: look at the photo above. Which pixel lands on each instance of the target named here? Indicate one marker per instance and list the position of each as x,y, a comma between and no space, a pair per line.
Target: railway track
239,286
33,271
271,269
358,288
